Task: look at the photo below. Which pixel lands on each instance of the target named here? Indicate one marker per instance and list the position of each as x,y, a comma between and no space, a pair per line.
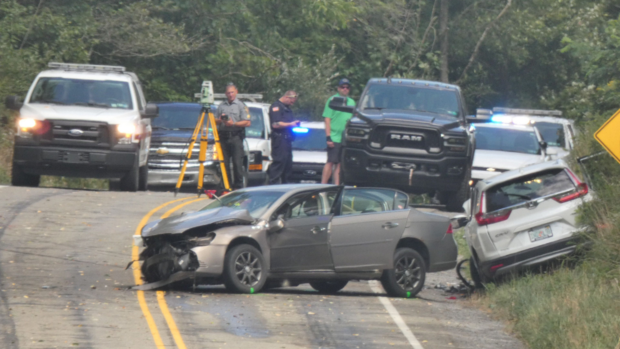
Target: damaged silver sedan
287,235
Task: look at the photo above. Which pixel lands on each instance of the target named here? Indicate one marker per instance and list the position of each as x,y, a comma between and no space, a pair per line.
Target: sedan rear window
527,188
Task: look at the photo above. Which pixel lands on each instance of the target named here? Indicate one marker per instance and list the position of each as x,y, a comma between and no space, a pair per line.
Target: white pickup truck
81,120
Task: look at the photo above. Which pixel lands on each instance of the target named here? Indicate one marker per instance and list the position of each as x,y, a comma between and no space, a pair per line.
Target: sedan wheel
407,277
244,270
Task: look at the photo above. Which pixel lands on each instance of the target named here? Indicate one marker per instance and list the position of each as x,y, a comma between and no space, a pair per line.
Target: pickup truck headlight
26,124
128,133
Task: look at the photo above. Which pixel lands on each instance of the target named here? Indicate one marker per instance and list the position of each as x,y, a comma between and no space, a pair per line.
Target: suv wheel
21,179
454,200
131,180
329,286
407,277
244,269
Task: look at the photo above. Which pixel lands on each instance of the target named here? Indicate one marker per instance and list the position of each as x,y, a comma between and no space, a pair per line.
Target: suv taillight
490,218
582,189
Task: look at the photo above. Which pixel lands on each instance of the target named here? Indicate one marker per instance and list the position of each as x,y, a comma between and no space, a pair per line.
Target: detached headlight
128,133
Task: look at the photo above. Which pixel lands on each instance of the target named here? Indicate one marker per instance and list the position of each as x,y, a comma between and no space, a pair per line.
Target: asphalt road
63,285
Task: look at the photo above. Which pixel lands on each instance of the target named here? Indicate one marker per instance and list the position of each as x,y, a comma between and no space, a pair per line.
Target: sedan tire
244,269
329,287
407,277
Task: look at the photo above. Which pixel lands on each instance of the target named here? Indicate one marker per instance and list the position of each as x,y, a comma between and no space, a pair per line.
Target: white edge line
396,316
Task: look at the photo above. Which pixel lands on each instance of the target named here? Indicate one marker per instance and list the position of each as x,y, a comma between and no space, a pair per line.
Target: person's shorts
333,154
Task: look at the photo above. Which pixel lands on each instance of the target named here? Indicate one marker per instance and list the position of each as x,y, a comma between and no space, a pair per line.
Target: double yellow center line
176,335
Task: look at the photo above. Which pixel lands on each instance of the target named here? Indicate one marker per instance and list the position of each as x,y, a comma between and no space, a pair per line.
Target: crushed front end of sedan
172,245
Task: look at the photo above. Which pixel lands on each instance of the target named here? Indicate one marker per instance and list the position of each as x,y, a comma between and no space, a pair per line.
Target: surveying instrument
203,127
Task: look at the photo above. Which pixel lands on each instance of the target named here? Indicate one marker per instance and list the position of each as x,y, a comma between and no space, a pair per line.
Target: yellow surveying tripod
202,127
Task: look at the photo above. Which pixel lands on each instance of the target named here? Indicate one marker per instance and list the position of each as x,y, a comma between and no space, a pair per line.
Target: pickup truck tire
454,200
131,181
144,178
21,179
407,278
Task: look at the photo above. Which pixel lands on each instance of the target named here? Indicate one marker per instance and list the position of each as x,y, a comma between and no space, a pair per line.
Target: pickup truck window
402,97
312,139
257,126
91,93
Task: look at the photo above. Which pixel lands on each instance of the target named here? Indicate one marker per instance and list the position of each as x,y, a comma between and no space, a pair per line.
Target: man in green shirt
335,122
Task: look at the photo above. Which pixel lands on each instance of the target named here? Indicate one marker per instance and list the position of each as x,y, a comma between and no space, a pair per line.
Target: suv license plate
540,233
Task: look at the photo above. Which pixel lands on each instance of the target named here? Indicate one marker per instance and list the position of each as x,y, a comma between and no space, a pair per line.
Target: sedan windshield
402,97
92,93
256,202
177,116
503,139
309,139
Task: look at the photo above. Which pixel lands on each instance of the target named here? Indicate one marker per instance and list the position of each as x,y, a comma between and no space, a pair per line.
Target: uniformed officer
232,119
282,122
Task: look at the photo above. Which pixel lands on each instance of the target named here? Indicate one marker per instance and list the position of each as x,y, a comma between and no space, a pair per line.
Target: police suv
81,120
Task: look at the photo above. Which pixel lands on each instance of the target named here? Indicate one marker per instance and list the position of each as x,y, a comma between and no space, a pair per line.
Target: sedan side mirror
340,104
276,225
150,111
459,221
13,103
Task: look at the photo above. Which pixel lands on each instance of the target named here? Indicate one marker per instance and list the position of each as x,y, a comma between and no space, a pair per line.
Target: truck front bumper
363,168
72,162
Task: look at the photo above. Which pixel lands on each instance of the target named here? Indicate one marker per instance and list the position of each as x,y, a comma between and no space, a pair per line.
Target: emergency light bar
300,129
86,67
531,112
509,119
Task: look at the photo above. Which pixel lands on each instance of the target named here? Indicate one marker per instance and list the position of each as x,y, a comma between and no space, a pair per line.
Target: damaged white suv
522,218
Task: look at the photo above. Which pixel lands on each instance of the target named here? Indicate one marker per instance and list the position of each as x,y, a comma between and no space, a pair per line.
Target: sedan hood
112,116
181,223
502,160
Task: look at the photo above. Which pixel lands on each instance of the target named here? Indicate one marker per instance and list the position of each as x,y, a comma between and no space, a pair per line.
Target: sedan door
303,244
367,228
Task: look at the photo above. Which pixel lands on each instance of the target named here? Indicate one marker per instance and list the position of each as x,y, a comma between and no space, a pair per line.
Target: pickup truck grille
170,155
400,137
78,133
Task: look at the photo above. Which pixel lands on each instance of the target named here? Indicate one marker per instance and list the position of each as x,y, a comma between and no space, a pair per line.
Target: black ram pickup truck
410,135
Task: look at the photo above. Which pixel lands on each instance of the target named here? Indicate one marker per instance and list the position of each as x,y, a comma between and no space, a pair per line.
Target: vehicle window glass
401,201
256,202
503,139
308,205
138,96
93,93
177,116
309,139
359,201
257,127
572,134
428,100
552,133
527,188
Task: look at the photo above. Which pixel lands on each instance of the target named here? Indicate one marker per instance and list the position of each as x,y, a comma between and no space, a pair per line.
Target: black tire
454,200
407,277
21,179
244,269
475,274
329,287
143,181
131,181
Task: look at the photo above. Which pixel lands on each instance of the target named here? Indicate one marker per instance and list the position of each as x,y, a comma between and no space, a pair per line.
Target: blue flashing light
499,118
300,129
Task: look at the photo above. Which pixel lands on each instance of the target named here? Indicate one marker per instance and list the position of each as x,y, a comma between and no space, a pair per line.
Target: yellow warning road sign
609,135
